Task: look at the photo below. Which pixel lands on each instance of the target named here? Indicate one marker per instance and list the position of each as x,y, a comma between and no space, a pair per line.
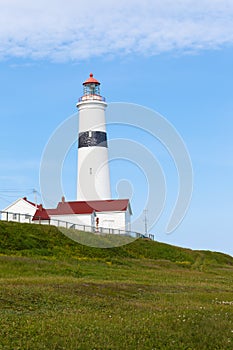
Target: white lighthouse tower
93,168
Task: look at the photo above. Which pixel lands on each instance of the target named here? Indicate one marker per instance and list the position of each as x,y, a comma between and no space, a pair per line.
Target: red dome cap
91,80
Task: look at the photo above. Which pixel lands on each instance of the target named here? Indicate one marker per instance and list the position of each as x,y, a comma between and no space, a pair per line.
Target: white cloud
75,30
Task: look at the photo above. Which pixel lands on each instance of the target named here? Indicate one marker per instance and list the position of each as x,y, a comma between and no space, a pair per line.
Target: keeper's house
110,214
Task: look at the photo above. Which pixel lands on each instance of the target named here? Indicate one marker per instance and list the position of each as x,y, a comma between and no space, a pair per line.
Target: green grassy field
58,294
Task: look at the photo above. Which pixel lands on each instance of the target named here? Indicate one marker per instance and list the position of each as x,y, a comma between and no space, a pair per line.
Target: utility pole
145,221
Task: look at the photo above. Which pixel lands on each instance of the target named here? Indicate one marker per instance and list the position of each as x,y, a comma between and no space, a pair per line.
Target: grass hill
58,294
39,240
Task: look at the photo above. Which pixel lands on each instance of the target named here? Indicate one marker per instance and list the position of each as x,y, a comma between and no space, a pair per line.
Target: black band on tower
92,138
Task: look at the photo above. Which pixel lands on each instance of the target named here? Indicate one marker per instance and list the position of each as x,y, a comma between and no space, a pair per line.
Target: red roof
91,80
41,214
83,207
26,200
87,207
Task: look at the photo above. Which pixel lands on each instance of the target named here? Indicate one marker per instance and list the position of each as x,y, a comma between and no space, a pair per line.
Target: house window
90,171
27,217
14,216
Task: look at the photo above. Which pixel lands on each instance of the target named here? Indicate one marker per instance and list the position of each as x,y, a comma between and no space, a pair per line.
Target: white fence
25,218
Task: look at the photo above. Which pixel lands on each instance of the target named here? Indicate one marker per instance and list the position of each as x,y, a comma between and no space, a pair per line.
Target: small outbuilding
22,210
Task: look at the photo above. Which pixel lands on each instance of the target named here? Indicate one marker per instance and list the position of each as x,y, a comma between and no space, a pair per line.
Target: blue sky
174,59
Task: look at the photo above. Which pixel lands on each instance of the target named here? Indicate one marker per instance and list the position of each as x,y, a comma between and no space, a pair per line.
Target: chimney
40,208
63,200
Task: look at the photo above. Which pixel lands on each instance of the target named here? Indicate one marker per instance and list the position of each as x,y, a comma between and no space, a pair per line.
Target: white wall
93,174
114,220
74,219
43,222
92,114
108,220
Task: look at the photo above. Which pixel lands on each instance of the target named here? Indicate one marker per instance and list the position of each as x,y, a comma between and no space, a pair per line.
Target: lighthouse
94,210
93,168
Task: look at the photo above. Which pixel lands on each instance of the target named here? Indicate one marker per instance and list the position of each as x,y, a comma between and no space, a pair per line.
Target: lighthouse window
90,171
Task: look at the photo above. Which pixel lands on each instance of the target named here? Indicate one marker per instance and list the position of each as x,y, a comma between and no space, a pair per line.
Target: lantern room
91,86
91,90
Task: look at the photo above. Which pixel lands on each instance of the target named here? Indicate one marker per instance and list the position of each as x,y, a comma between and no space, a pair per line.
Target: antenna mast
145,221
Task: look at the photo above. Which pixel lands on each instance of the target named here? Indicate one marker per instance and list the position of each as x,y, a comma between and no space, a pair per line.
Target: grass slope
38,240
58,294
